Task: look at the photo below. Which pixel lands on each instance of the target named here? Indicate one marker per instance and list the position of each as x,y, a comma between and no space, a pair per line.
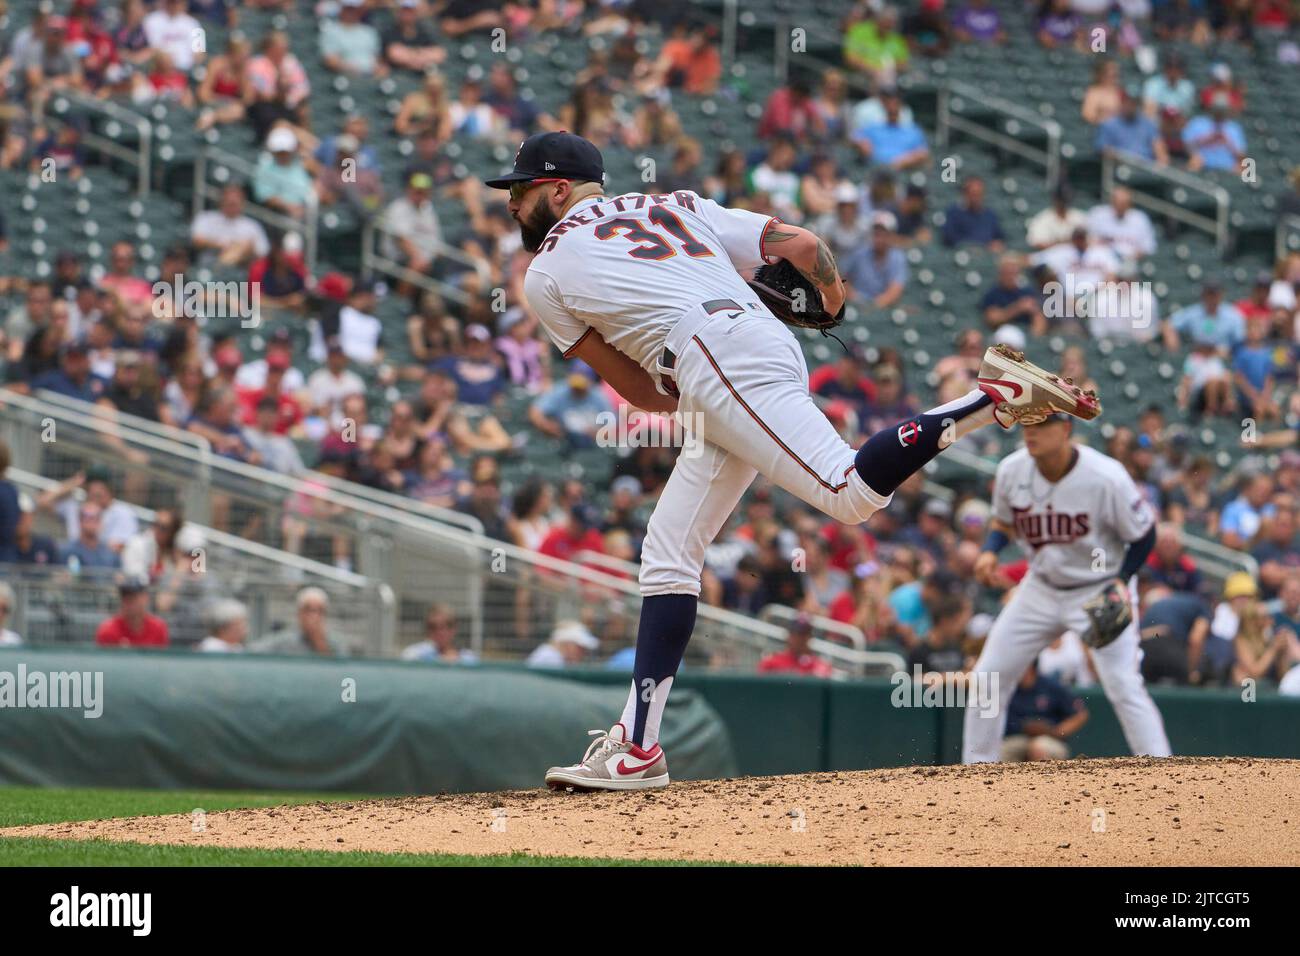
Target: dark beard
533,230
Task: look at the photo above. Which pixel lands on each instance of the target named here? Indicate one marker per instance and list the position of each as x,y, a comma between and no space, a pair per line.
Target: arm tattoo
825,272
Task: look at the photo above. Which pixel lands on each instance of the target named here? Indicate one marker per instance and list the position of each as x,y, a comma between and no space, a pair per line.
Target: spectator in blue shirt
10,512
89,551
1170,89
478,370
572,410
1042,714
1252,368
1133,133
970,221
1215,142
358,127
1013,302
877,273
895,142
73,378
1242,517
1211,321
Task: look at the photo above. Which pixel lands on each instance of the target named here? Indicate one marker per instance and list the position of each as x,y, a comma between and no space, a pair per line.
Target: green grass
24,806
36,851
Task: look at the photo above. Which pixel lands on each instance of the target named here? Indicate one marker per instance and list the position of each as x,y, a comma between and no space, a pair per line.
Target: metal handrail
478,550
120,419
854,636
387,619
33,482
1115,165
860,660
372,260
1012,113
308,227
1287,228
141,157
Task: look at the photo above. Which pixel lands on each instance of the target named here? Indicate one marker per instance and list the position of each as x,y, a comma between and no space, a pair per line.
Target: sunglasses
517,190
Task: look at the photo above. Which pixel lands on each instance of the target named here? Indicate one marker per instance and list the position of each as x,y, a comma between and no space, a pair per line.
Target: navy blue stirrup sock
892,455
667,621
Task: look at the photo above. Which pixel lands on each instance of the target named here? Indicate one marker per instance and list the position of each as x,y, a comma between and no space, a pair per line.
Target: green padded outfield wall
186,720
183,720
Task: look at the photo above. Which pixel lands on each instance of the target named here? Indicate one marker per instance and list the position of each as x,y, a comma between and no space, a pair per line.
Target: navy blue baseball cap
560,155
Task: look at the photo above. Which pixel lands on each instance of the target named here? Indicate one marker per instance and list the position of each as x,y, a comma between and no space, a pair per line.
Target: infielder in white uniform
1084,524
648,291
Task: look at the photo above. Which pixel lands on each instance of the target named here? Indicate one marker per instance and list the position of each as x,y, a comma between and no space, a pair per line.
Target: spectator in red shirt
845,379
796,658
1169,564
289,412
689,59
578,533
791,112
169,83
132,291
1222,84
133,625
1255,306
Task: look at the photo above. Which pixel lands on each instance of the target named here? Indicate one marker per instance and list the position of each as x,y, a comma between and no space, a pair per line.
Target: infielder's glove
792,298
1109,614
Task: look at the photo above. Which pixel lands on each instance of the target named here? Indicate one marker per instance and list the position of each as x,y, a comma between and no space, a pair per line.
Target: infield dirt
1135,811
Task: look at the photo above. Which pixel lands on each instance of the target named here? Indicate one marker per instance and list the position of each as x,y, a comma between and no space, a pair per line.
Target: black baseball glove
1109,614
792,298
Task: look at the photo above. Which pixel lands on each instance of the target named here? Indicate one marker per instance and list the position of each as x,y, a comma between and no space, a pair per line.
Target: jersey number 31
654,245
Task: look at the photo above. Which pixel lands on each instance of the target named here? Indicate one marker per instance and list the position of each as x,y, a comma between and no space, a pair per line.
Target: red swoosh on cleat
1001,381
623,768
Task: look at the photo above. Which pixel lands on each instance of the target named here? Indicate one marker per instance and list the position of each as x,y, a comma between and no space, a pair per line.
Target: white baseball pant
742,378
1036,615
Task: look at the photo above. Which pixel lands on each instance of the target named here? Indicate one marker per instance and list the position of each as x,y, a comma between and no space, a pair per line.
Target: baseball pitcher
1087,530
648,291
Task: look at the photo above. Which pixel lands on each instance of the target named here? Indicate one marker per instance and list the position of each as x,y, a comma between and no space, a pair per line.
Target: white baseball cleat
1025,394
612,763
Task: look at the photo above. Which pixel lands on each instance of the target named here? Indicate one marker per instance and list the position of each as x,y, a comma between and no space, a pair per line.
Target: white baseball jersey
655,272
630,266
1075,531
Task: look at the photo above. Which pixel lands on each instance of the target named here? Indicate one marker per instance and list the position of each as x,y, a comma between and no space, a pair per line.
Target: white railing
369,608
859,660
1286,237
952,95
223,162
116,421
374,260
1120,166
421,559
140,157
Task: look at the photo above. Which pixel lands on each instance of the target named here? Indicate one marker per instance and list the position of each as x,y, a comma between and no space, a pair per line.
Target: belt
669,360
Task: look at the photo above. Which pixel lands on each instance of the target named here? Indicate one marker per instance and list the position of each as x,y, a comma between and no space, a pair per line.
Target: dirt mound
1188,811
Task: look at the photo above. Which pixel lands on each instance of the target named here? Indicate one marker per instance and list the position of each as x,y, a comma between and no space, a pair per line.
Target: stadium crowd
905,579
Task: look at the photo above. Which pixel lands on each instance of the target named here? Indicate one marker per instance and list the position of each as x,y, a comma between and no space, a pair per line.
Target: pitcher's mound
1181,811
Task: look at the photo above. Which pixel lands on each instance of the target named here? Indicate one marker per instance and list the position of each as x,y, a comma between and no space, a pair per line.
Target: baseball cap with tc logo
560,155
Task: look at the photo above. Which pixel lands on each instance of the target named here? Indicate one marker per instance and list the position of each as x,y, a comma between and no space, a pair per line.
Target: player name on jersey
631,202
